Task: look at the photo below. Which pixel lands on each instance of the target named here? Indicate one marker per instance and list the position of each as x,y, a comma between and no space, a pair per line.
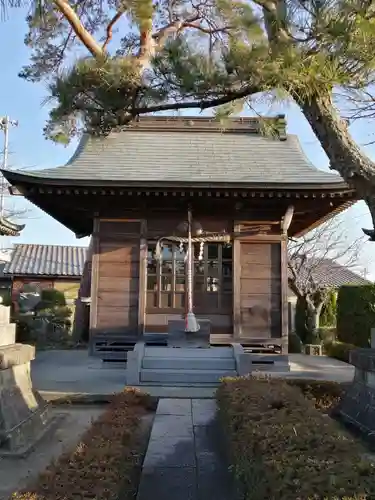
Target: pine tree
175,54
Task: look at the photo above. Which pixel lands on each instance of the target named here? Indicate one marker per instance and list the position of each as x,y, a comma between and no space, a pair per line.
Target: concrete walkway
58,373
183,459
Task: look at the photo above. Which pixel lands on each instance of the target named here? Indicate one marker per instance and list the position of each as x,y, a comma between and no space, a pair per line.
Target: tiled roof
190,150
329,273
46,260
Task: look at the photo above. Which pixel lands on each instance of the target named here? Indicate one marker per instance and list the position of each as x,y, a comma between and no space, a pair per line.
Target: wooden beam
284,295
236,270
142,277
95,274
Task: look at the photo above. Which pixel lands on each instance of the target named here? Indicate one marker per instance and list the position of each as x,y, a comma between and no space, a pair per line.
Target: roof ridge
246,124
48,245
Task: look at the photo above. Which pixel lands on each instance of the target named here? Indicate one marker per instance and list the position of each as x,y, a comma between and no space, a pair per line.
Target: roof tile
46,260
179,154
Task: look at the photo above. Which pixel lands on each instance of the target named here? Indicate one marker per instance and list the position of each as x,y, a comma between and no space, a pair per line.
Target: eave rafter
189,193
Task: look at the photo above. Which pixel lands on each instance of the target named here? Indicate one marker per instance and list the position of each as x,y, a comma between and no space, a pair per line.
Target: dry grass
282,447
106,461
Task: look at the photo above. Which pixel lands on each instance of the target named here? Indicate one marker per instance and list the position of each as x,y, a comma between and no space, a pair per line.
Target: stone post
24,416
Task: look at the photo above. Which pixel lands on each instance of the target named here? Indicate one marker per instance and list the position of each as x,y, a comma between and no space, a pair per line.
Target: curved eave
8,228
16,178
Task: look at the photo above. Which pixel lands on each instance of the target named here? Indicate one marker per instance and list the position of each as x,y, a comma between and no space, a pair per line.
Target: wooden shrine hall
132,190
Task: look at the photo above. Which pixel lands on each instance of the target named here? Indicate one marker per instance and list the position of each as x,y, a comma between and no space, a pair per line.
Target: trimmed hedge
282,448
339,350
356,314
325,395
104,464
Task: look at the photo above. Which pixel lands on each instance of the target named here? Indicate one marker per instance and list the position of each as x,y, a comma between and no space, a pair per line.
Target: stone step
271,367
186,376
189,363
186,352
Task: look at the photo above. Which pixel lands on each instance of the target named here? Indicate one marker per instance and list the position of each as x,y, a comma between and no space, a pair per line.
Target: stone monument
24,415
357,406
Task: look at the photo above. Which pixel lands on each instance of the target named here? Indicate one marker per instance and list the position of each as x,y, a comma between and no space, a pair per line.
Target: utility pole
5,123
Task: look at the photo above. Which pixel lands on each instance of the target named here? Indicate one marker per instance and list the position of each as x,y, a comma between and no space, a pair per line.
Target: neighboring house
47,266
329,274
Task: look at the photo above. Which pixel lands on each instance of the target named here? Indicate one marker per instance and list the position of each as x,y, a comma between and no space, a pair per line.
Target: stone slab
170,451
16,354
174,407
203,411
179,483
167,352
172,426
185,376
7,334
192,363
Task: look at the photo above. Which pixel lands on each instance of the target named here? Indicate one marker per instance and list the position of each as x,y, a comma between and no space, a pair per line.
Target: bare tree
314,262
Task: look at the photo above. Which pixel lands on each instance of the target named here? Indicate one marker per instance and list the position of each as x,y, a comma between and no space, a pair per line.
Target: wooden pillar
142,278
236,270
94,275
284,295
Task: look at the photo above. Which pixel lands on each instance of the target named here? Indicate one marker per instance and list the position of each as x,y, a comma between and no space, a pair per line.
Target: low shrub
325,395
105,461
339,350
283,448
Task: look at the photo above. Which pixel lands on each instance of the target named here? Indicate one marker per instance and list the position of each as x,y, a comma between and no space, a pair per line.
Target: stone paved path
183,459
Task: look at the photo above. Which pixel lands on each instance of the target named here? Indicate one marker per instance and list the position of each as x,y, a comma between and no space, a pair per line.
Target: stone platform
195,366
24,415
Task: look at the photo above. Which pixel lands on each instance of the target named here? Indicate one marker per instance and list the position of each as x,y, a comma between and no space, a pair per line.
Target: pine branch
109,29
84,36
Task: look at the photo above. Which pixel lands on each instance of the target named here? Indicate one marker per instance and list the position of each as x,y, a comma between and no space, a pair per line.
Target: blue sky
22,101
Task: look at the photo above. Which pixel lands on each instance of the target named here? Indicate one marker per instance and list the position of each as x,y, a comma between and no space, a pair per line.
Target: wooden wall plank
118,269
117,252
128,270
260,290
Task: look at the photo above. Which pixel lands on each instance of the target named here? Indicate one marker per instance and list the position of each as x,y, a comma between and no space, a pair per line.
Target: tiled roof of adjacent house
46,260
328,273
190,150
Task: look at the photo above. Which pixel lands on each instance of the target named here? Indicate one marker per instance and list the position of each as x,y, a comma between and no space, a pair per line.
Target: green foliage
281,447
51,297
339,350
220,52
356,314
294,344
329,310
301,319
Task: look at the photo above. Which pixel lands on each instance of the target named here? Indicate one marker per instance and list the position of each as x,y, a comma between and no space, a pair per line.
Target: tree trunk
313,322
344,154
